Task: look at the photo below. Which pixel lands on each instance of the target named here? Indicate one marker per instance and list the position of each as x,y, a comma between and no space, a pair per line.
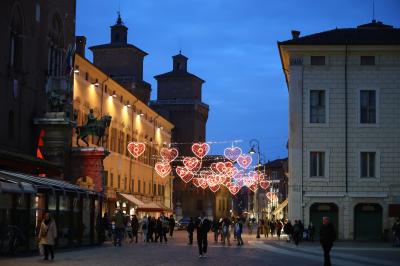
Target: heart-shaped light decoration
191,163
203,183
232,172
214,188
200,149
206,174
244,161
248,181
212,181
272,196
162,168
195,182
233,189
136,148
253,187
213,168
185,174
256,175
232,153
264,184
221,179
169,154
224,167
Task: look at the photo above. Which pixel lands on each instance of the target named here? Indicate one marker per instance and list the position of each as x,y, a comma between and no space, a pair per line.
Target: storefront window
64,221
86,221
76,221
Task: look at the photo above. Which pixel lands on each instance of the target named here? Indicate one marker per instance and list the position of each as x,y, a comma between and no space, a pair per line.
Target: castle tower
123,61
179,101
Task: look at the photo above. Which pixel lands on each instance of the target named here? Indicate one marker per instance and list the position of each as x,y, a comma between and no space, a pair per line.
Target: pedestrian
47,235
171,225
135,228
250,227
288,230
311,231
119,227
152,229
214,229
396,233
326,237
226,233
301,231
190,230
145,229
239,230
159,229
107,226
278,228
266,228
203,226
165,227
272,227
296,232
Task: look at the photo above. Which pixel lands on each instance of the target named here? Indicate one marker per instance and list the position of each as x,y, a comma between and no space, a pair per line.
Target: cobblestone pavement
254,252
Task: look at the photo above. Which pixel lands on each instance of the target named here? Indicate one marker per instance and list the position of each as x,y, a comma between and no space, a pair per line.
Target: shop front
130,205
25,198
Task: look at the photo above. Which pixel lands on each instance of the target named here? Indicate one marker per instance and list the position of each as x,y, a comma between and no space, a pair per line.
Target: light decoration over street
218,174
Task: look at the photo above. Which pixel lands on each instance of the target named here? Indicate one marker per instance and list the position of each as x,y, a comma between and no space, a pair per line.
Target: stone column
88,162
296,139
57,137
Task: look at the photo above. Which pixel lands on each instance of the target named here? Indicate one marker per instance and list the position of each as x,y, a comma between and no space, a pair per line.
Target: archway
367,221
320,210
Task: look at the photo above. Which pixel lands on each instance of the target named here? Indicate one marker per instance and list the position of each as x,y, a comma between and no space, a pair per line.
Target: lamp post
255,149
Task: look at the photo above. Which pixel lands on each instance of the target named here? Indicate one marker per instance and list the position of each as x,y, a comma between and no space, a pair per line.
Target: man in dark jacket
326,236
135,228
190,230
203,225
171,225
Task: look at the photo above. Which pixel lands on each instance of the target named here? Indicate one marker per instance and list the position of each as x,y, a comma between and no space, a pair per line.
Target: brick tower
123,61
179,101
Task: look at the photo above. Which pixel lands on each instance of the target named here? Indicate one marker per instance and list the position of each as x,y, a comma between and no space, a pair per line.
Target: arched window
16,32
56,53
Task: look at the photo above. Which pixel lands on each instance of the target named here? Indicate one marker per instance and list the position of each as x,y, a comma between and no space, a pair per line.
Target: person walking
396,233
145,229
47,235
266,229
152,228
239,231
278,228
165,227
226,233
296,232
250,227
214,228
159,229
311,232
171,225
272,227
107,226
119,227
135,228
190,230
326,237
288,230
203,226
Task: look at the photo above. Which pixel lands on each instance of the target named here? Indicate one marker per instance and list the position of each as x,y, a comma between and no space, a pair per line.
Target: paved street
254,252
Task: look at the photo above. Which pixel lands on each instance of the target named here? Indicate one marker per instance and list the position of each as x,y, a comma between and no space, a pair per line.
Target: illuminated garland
136,148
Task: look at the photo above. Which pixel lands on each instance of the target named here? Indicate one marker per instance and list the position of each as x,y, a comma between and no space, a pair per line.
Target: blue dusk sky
232,45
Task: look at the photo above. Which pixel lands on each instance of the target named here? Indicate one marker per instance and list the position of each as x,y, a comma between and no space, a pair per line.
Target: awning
16,187
42,182
142,206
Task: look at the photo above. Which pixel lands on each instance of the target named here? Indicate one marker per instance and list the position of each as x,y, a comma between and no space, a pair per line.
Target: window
274,174
317,164
317,106
125,184
105,182
317,60
16,46
37,12
368,164
144,187
132,185
367,60
111,179
119,182
138,184
113,142
121,142
368,106
154,189
128,139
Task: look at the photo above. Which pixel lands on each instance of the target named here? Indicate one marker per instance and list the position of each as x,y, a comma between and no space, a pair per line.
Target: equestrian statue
94,127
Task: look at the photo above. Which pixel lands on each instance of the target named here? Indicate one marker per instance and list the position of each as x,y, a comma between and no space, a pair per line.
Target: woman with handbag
47,235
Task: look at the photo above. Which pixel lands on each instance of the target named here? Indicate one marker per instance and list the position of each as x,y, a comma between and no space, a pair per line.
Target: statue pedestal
88,162
57,129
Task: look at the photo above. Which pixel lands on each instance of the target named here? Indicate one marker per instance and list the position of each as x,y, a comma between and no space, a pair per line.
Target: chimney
295,34
80,45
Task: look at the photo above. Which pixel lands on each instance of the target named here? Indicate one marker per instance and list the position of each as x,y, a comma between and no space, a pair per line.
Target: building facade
344,145
48,28
179,99
132,120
